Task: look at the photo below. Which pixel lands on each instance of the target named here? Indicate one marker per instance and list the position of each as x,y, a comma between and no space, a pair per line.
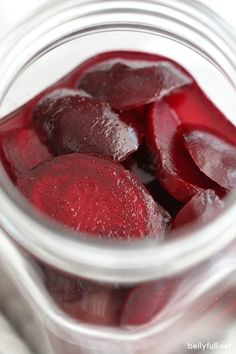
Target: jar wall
205,299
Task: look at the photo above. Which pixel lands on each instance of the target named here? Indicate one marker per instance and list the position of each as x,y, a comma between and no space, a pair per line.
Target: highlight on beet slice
193,108
214,156
127,84
145,301
93,194
72,121
23,150
174,168
202,208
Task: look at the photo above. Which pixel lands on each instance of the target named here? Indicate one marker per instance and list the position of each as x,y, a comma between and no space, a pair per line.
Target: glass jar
60,36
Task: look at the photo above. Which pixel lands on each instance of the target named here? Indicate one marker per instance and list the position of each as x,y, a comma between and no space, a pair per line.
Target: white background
14,11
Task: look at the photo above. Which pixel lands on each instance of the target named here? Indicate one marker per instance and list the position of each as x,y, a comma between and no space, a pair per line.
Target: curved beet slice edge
174,168
202,208
23,150
72,121
145,301
141,165
193,108
214,157
93,194
127,84
135,119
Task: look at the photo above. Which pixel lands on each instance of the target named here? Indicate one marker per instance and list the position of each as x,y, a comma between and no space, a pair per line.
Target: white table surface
13,12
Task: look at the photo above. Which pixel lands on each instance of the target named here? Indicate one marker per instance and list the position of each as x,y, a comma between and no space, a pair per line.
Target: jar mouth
94,259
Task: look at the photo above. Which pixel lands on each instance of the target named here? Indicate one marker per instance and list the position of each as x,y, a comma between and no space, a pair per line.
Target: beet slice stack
72,121
174,167
111,107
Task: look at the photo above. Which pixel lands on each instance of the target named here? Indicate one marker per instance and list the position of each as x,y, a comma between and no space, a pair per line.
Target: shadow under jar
74,295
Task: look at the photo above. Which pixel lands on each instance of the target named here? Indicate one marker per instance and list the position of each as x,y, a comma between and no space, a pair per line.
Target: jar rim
93,258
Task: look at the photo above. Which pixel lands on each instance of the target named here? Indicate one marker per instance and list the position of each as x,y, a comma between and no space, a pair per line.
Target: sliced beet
193,108
145,301
93,194
141,165
101,306
202,208
21,117
84,300
174,167
214,157
72,121
23,150
127,84
64,287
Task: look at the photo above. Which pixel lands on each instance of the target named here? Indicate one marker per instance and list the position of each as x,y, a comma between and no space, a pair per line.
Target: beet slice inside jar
71,121
145,301
141,165
193,108
174,168
214,157
84,300
102,305
93,194
202,208
65,287
127,84
23,150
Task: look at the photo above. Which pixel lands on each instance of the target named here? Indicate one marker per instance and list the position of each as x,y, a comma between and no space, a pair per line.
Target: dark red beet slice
214,157
93,194
102,305
127,84
174,167
23,150
194,108
202,207
64,287
145,301
72,121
